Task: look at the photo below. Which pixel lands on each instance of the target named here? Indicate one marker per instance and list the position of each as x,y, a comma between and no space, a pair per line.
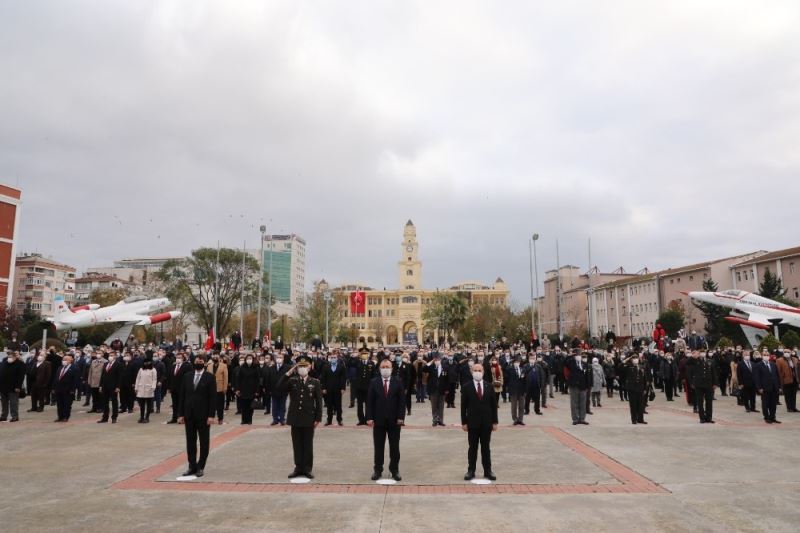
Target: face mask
332,360
584,359
406,360
539,359
635,361
532,361
126,358
516,365
577,358
477,376
64,363
746,357
40,358
302,371
199,365
278,361
111,358
386,372
249,361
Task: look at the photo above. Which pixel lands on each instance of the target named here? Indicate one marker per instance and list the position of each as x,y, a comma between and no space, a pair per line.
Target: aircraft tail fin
61,309
754,335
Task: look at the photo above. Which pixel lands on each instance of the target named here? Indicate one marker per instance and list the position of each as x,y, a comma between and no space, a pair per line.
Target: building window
791,268
409,299
745,275
691,278
738,276
409,272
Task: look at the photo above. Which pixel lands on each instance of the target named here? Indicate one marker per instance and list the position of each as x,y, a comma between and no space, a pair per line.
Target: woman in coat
496,377
598,382
145,388
247,383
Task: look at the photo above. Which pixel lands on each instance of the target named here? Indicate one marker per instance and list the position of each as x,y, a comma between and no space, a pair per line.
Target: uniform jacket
305,400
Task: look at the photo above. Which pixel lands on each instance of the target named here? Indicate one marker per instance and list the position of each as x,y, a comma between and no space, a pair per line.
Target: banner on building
358,302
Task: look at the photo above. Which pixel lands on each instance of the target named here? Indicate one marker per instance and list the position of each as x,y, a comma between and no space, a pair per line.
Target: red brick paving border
630,482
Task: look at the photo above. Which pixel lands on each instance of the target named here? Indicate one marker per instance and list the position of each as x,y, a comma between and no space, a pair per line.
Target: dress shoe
31,410
141,421
702,421
396,476
441,424
309,475
435,424
295,473
710,421
199,472
113,420
584,422
521,423
490,475
14,420
633,422
328,423
538,412
283,423
375,476
776,421
361,424
575,423
340,422
469,475
274,423
768,421
190,472
58,420
516,423
641,422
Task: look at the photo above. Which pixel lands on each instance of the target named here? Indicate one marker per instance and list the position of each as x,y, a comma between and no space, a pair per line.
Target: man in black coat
110,383
767,382
174,381
305,413
12,375
67,378
744,376
438,385
637,381
386,415
333,380
197,404
404,371
479,420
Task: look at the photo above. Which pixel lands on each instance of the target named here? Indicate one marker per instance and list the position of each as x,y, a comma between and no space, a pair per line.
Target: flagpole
216,293
241,314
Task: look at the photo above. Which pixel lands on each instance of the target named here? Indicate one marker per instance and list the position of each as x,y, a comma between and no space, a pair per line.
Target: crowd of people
203,385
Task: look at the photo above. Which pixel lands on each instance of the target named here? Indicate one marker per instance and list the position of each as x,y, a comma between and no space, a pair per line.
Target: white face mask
477,376
40,358
302,371
278,361
64,363
386,372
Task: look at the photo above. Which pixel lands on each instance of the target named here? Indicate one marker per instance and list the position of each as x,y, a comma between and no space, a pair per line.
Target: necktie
63,371
386,387
108,367
196,379
177,367
480,391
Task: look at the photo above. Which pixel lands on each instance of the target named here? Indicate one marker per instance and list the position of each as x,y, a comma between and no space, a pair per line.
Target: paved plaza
671,475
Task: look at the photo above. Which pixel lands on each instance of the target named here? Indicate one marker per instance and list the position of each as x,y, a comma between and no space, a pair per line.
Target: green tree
771,287
790,339
769,342
447,312
191,285
714,314
673,319
311,314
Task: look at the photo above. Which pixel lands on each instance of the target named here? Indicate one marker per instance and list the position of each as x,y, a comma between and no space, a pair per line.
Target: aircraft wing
129,318
753,320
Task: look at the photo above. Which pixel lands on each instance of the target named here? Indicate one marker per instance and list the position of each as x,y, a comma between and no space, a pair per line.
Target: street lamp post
269,293
537,326
260,283
327,296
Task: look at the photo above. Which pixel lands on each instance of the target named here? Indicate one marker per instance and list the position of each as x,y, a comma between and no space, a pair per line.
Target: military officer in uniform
704,378
365,371
637,381
305,413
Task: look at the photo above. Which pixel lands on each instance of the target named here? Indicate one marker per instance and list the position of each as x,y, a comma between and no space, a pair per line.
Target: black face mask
199,366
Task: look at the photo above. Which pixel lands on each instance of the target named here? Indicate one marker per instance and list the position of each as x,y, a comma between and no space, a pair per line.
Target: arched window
409,299
409,272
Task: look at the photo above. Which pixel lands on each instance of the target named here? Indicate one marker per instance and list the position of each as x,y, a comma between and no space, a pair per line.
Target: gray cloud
666,133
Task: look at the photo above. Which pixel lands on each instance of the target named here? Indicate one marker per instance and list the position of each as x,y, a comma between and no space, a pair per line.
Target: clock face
409,248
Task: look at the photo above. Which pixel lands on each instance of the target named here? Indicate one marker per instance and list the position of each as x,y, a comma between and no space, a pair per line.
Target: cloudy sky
667,132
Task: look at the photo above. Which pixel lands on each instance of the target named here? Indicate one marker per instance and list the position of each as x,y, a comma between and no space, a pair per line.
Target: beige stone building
632,306
92,281
565,305
395,316
747,275
38,280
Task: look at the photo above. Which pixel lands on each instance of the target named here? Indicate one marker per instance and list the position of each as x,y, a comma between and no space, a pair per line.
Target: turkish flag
210,340
358,302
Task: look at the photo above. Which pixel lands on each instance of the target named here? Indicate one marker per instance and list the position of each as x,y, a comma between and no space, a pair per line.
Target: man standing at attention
385,415
305,413
479,420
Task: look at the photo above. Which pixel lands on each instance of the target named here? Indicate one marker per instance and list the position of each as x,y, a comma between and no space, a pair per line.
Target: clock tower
410,267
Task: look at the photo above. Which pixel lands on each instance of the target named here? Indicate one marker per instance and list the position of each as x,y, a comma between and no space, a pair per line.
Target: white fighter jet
135,310
755,314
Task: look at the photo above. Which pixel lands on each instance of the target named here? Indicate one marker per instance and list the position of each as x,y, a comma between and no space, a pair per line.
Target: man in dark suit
110,383
704,377
744,376
334,382
66,381
579,382
479,420
197,406
767,382
40,376
305,413
386,415
175,382
365,371
516,385
438,385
